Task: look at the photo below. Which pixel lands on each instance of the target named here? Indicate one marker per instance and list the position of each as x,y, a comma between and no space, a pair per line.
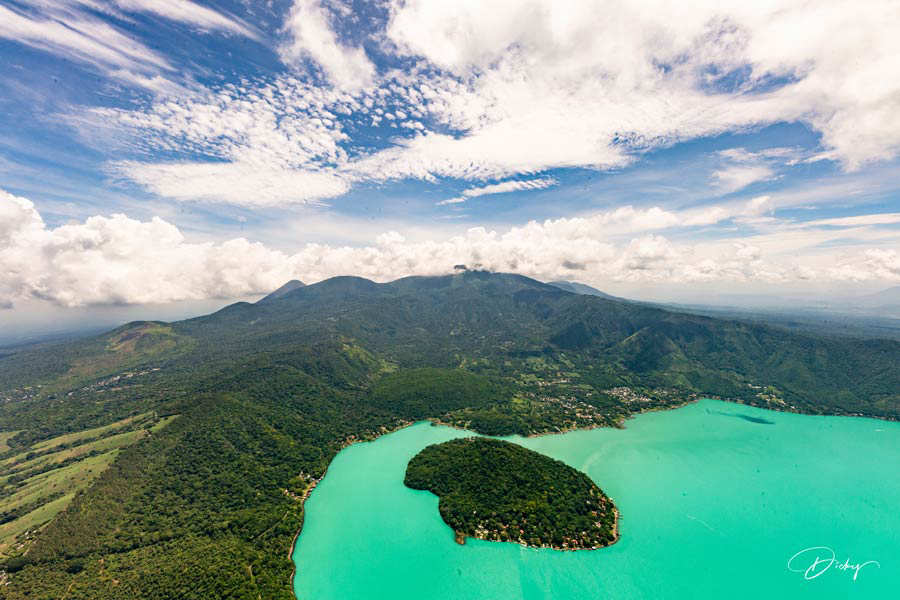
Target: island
495,490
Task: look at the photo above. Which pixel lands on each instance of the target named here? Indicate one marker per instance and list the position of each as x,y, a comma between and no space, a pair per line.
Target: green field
96,432
18,464
39,482
10,533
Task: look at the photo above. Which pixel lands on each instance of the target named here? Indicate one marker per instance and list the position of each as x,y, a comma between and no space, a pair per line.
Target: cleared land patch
38,483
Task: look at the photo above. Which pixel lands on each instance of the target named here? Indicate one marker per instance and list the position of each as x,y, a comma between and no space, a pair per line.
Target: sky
157,152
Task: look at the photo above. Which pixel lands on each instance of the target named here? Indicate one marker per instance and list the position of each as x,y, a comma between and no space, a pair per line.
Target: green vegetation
495,490
89,434
426,392
38,484
4,437
249,405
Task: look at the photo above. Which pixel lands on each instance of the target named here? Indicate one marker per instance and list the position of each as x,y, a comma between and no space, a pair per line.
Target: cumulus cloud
117,259
875,265
885,263
120,260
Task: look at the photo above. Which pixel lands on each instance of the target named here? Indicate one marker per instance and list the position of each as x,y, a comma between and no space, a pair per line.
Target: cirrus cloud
539,85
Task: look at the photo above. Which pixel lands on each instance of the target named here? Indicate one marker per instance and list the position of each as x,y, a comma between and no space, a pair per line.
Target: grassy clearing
162,423
45,494
64,480
71,438
119,440
4,438
32,501
9,532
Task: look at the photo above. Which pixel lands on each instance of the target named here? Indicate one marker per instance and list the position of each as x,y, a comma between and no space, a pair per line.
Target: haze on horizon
164,159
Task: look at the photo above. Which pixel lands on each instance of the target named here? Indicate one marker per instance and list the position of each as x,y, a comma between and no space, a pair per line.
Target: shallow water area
715,499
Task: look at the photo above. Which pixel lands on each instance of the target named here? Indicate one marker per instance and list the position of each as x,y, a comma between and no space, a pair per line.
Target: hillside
581,288
258,398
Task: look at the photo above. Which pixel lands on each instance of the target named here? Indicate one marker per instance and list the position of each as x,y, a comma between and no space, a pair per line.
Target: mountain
581,288
888,297
170,460
287,288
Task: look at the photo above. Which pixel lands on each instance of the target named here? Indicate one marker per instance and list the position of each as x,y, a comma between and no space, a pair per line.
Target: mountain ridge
582,288
287,288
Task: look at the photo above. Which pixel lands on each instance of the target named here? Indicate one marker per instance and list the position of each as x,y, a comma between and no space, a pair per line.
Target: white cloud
503,188
67,29
876,264
121,260
189,12
538,85
312,37
510,186
243,184
260,148
856,221
732,179
80,38
741,167
646,73
183,11
758,206
885,264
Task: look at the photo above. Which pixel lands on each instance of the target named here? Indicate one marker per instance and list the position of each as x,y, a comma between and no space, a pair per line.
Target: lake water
715,498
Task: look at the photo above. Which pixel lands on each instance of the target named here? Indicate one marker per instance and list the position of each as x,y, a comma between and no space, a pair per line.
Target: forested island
495,490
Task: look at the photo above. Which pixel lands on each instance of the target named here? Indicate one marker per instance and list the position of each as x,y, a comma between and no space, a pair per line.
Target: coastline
315,482
460,538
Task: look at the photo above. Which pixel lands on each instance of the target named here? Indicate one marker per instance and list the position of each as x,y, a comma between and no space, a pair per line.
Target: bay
715,498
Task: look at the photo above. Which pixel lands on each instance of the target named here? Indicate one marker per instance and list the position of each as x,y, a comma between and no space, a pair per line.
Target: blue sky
158,151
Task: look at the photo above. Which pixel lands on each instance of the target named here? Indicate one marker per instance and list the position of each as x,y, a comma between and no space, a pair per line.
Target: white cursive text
813,562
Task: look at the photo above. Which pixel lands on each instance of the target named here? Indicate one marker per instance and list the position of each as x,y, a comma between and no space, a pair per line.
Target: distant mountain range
581,288
220,424
889,297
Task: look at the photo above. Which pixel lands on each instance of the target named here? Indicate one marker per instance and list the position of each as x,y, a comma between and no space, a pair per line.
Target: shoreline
436,422
461,537
315,482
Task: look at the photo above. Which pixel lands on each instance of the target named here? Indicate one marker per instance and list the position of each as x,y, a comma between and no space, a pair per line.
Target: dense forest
495,490
181,452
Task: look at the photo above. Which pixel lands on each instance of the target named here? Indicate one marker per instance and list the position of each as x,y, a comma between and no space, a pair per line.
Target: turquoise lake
713,505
